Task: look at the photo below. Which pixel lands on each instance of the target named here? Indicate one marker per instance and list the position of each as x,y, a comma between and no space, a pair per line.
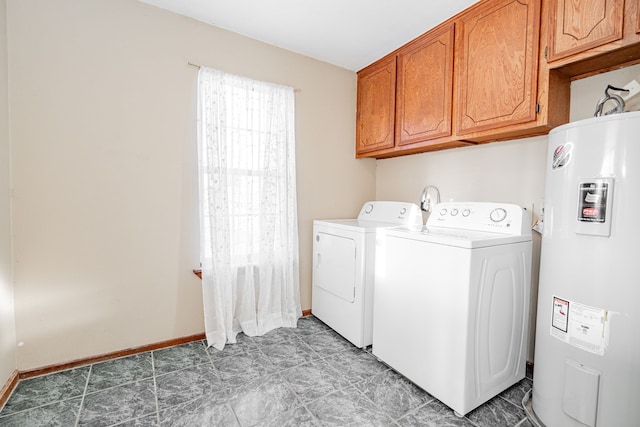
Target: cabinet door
579,25
376,106
638,17
497,61
425,88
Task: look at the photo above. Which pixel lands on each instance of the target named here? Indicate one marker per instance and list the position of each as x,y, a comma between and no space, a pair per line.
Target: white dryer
343,266
451,304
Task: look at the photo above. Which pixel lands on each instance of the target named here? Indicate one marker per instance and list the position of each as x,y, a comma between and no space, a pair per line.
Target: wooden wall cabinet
577,26
587,37
425,88
505,89
375,116
497,63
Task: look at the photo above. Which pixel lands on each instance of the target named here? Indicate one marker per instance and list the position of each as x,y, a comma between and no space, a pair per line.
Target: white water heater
587,354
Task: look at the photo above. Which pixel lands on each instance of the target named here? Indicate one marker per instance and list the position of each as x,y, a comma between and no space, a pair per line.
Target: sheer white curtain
248,215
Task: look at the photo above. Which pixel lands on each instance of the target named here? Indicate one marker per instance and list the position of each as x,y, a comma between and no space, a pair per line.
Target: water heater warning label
593,201
560,314
580,325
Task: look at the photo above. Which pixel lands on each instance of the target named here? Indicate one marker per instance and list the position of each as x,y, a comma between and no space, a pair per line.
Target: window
249,232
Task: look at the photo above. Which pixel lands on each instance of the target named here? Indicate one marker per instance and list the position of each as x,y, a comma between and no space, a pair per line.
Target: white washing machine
451,301
343,266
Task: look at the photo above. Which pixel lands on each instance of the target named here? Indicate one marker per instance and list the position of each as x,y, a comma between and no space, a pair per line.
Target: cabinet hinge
537,108
546,52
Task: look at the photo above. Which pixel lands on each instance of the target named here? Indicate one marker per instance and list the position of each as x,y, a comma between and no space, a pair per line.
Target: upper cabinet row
485,75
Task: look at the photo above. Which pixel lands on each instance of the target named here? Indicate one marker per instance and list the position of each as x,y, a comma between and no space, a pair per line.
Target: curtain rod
191,64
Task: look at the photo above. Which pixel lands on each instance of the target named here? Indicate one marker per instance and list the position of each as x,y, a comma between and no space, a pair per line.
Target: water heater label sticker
592,206
580,325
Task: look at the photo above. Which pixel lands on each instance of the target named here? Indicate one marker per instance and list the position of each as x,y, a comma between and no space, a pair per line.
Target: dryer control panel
400,213
481,216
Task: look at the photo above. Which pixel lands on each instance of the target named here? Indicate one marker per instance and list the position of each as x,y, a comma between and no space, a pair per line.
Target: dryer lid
378,214
354,225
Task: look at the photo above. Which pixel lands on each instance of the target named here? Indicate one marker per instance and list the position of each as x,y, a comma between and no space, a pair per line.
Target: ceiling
348,33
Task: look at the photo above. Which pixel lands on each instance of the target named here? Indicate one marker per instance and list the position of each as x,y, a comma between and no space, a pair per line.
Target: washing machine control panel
480,216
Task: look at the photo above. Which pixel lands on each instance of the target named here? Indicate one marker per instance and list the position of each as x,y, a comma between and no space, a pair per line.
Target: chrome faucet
426,200
610,97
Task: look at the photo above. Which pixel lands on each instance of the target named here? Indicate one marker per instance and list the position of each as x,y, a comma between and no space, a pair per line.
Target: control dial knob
498,214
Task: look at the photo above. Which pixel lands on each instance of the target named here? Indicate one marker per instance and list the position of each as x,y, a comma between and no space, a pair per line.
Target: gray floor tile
314,379
263,400
188,384
327,343
199,412
348,408
309,325
59,414
179,357
120,371
146,421
243,344
272,337
393,393
497,413
34,392
118,404
289,353
243,368
434,414
524,423
356,365
516,392
297,417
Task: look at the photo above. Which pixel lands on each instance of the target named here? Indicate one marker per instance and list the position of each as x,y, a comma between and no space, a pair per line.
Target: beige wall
510,171
104,168
7,325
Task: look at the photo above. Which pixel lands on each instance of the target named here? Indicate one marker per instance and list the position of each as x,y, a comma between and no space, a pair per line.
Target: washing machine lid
467,239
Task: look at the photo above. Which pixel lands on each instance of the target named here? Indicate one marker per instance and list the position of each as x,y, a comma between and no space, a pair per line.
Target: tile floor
309,376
